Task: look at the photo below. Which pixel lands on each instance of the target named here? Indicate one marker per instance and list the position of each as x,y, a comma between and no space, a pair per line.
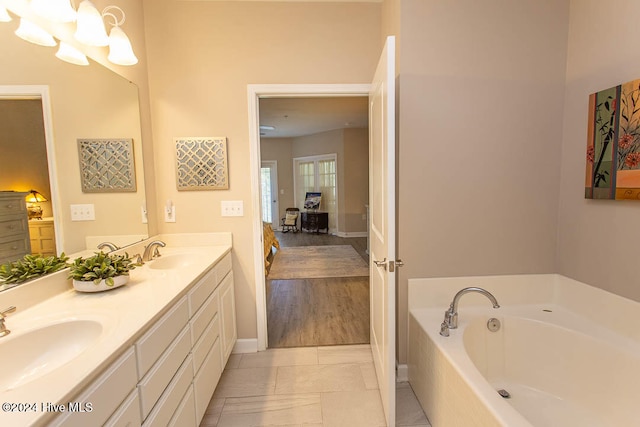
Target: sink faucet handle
4,312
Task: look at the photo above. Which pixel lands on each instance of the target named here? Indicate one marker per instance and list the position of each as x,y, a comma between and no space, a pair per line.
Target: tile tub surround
442,367
124,314
306,386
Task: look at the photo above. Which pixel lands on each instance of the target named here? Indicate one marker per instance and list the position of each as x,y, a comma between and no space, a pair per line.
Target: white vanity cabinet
168,376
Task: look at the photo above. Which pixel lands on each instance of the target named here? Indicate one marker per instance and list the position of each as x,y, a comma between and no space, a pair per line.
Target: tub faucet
451,315
112,247
151,250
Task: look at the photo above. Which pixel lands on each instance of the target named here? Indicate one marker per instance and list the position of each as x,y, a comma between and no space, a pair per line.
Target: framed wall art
201,163
613,143
107,165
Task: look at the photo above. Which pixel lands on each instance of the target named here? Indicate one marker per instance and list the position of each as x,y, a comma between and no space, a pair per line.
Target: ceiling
293,117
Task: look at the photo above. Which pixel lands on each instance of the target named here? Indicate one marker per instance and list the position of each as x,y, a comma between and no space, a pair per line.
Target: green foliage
101,266
31,267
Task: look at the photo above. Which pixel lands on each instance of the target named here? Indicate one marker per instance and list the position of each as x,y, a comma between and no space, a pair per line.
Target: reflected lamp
33,200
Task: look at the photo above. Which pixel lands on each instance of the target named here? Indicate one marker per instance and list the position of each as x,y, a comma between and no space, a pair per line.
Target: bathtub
566,353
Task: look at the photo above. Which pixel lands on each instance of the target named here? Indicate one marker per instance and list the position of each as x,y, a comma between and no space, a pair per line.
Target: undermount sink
172,261
28,356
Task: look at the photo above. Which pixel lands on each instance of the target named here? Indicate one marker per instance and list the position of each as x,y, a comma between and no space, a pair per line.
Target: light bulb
54,10
30,32
70,54
90,26
120,50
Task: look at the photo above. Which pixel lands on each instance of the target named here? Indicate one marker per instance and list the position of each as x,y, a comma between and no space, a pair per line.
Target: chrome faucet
3,329
112,247
451,315
151,251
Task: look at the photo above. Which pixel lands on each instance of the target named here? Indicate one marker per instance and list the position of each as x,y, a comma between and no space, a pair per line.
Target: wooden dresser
14,227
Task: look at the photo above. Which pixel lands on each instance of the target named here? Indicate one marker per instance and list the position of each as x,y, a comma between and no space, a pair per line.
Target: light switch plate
232,208
84,212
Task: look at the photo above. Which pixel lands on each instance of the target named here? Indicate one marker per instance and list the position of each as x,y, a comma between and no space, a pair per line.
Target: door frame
254,93
275,204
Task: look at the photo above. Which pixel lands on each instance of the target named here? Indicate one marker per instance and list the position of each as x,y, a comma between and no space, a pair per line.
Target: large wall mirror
76,102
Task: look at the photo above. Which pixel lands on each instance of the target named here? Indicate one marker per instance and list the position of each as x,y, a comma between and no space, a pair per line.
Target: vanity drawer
155,341
223,266
185,415
13,227
204,344
156,380
200,292
172,396
202,318
128,415
105,394
205,381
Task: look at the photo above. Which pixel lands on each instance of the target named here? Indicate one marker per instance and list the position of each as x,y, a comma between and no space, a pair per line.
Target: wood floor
318,312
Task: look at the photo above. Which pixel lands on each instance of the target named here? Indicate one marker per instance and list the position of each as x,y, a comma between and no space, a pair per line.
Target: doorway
317,284
255,93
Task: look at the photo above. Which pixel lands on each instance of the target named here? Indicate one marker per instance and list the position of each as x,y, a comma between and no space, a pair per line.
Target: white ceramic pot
90,286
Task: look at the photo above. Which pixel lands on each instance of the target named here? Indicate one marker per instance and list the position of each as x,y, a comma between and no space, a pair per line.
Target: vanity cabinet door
206,380
185,415
105,394
228,316
128,415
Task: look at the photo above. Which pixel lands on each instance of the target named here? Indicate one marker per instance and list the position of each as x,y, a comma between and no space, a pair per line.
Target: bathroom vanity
149,353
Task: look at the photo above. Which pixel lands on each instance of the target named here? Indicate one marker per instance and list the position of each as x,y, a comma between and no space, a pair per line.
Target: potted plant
101,271
31,267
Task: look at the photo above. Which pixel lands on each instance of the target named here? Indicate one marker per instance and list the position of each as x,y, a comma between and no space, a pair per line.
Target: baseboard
402,373
351,233
246,345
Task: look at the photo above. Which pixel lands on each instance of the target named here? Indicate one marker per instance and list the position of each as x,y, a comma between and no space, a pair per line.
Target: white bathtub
568,354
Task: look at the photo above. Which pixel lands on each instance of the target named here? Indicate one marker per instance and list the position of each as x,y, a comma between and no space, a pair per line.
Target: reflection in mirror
78,103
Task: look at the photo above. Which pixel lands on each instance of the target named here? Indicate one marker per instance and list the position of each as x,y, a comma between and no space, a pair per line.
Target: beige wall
597,238
202,55
481,101
352,149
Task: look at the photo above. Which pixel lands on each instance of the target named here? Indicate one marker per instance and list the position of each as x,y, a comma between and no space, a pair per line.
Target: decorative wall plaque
201,163
106,165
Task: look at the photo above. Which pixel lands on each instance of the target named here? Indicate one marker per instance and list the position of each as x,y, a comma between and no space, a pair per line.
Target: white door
382,230
269,193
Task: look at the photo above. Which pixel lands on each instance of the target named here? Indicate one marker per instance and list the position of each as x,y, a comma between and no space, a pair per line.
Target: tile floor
306,386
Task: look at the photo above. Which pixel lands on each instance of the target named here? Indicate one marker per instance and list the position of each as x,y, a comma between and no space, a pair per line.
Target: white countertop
124,313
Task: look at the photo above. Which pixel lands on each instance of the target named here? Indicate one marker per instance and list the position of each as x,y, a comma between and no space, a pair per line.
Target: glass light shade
120,50
54,10
34,197
70,54
90,26
30,32
4,15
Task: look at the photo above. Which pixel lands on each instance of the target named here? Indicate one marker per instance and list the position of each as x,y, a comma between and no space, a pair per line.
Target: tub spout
451,315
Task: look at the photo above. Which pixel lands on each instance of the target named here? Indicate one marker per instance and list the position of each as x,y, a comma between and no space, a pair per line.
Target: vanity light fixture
90,28
54,10
33,208
30,32
4,15
70,54
120,50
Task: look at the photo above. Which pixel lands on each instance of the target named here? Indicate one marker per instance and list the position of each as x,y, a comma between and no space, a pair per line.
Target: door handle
382,263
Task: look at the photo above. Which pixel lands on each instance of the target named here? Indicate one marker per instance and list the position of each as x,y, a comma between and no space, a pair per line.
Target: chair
290,220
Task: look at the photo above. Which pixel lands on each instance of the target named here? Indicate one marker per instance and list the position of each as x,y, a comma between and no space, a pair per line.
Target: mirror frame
42,91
